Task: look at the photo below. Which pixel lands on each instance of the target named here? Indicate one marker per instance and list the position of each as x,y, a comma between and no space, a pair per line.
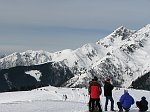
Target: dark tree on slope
16,79
142,82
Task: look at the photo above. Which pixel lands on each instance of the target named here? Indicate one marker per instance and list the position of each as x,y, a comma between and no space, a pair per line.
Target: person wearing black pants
108,87
121,107
143,104
94,103
94,92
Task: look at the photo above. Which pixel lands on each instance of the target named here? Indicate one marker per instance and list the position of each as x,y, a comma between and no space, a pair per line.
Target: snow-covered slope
123,56
25,59
52,99
84,56
126,58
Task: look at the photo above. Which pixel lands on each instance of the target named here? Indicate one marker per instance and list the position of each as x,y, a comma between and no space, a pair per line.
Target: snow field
51,99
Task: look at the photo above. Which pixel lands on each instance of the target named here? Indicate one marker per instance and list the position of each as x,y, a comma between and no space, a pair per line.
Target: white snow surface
35,73
51,99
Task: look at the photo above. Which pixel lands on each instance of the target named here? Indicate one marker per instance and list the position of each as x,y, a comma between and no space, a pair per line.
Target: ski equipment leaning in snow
125,102
108,87
94,92
143,104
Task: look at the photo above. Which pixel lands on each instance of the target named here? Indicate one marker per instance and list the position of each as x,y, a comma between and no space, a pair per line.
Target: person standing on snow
108,87
143,104
125,102
94,92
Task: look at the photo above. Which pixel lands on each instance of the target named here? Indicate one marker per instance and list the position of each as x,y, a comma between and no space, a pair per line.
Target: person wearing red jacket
94,92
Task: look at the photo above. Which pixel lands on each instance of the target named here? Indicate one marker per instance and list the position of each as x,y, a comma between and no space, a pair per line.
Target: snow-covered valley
52,99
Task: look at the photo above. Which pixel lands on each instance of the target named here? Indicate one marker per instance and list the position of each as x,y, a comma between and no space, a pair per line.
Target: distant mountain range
123,56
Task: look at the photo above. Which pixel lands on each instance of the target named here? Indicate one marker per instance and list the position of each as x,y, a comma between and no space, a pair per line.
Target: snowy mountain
25,59
52,99
126,57
123,56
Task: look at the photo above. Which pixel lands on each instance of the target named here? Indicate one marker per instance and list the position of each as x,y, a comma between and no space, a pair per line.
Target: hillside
122,56
30,77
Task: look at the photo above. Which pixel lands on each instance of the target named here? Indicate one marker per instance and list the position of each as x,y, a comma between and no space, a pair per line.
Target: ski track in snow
50,99
43,106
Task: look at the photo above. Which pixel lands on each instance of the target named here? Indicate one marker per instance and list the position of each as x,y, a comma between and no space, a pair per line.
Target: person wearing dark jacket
143,104
94,92
108,87
125,102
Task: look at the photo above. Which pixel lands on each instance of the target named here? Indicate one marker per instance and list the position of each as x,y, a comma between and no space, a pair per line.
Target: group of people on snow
125,102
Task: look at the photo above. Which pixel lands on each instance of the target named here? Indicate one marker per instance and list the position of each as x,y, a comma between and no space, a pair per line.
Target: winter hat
125,91
143,98
108,79
95,78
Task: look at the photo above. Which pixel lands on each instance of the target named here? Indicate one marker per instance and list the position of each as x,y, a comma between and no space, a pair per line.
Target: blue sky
54,25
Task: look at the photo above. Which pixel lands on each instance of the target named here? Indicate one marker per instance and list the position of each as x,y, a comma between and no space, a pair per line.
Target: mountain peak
116,37
122,31
147,26
121,28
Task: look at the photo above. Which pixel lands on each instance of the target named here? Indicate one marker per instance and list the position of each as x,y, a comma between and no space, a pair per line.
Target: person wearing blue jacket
125,102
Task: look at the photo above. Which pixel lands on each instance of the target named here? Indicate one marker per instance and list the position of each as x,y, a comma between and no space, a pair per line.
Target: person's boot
90,109
100,110
112,110
127,110
121,110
